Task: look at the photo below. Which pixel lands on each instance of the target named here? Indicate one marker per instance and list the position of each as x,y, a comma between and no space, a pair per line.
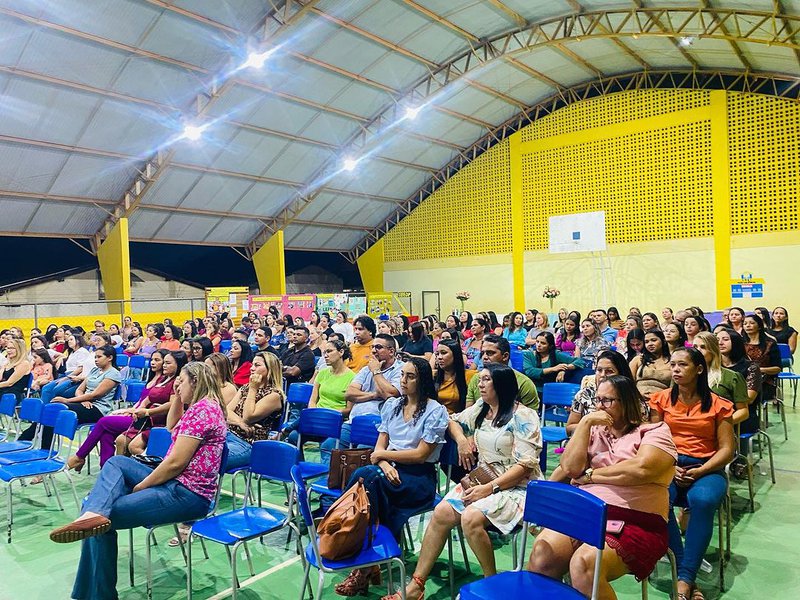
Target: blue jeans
239,451
111,496
703,498
63,387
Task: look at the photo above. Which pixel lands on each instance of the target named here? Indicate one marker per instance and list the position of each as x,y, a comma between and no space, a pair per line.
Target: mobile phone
613,526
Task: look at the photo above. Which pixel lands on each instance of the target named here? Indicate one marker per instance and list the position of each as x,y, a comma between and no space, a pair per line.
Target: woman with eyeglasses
201,348
702,429
629,463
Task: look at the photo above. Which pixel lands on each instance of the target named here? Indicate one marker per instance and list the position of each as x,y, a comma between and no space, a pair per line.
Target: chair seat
554,435
511,585
789,376
324,490
246,523
12,458
384,547
14,446
30,469
309,470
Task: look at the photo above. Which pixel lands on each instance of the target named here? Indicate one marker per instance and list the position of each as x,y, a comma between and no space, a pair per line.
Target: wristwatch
495,489
588,475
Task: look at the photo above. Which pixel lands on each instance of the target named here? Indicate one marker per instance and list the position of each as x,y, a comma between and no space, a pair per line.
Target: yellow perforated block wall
469,215
764,145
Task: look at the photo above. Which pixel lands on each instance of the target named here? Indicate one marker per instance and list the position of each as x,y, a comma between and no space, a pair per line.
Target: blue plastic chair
63,428
122,360
320,424
133,391
558,398
298,395
384,549
151,529
225,345
787,360
516,359
49,415
31,411
562,508
8,412
577,375
363,432
159,441
272,460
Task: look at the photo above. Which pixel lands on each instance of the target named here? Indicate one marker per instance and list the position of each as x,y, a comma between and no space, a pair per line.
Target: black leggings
85,415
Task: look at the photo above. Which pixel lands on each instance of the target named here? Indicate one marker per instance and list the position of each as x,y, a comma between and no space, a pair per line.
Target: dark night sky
208,266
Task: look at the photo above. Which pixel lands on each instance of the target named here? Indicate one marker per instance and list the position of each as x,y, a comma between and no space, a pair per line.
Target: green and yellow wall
698,187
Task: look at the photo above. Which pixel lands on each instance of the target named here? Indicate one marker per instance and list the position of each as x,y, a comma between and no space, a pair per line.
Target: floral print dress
518,442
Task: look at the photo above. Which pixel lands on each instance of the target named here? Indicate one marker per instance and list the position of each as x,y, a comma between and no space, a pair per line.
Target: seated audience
419,344
568,336
591,343
256,410
781,330
649,322
126,423
401,480
496,349
629,464
128,494
364,331
545,364
734,357
201,348
507,436
189,331
614,320
675,336
600,318
241,355
736,320
651,370
17,369
212,333
135,341
171,341
609,364
343,326
516,333
42,370
224,375
298,361
762,350
701,427
540,325
479,328
79,361
725,383
450,376
632,344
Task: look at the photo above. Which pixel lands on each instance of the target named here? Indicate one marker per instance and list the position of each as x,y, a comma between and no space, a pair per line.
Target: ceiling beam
741,81
734,46
576,6
779,9
443,22
674,41
509,13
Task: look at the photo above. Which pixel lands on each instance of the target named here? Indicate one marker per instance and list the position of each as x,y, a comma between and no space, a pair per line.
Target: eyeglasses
605,402
197,347
378,346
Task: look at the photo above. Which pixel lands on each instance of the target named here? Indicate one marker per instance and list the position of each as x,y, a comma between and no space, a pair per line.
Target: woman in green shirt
332,381
726,383
545,364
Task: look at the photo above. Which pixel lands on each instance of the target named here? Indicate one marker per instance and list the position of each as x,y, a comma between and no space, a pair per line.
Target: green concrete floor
763,562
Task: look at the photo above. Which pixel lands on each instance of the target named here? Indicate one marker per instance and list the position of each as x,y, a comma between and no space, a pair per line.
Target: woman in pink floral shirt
129,494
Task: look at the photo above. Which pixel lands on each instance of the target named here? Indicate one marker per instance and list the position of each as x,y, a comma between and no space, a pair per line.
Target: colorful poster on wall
230,300
301,305
260,304
379,304
356,305
747,288
331,303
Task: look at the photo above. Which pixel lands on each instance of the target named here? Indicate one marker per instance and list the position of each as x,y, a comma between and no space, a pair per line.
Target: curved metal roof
95,97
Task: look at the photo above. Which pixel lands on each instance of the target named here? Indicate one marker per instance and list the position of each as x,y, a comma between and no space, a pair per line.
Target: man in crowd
496,349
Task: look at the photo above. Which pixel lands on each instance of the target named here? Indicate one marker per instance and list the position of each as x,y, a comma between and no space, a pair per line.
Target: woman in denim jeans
129,494
702,428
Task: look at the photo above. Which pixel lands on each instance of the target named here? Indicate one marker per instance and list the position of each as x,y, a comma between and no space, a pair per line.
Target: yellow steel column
517,227
720,187
114,258
270,266
370,266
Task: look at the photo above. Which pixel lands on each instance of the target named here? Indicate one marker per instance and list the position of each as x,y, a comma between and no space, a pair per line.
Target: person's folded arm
101,390
650,465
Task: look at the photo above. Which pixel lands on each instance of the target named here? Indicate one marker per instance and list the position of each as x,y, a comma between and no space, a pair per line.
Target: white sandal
183,531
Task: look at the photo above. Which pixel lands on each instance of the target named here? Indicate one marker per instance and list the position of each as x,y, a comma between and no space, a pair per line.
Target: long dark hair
162,353
576,332
417,331
45,356
621,365
425,389
738,351
630,400
507,390
649,357
205,343
512,318
246,354
110,352
458,372
682,339
702,389
551,342
181,360
762,335
633,334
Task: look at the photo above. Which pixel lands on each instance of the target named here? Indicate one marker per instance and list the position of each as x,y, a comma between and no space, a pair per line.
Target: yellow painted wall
113,255
658,164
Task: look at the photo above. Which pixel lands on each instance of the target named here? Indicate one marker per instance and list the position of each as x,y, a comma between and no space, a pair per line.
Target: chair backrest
299,393
568,510
559,394
31,410
66,424
577,375
122,360
364,430
225,345
786,352
516,359
8,405
133,391
320,422
137,361
302,500
159,441
274,460
254,347
119,350
50,413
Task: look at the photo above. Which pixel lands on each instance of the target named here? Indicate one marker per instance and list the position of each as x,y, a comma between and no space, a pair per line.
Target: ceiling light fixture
256,60
412,112
686,41
193,132
350,164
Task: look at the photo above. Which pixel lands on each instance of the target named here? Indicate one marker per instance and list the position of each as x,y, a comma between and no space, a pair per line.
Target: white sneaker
705,566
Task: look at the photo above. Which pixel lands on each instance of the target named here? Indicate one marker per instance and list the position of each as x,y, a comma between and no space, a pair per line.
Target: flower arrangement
462,296
551,294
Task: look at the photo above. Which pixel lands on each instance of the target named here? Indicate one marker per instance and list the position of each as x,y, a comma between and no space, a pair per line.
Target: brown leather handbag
344,463
346,525
480,475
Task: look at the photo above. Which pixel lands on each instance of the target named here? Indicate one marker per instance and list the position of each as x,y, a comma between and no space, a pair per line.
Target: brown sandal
420,581
358,582
697,595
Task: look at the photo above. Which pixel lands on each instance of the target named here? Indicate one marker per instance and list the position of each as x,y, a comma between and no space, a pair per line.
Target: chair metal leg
55,491
180,541
306,573
149,565
249,559
769,453
402,568
410,537
783,418
203,546
464,550
450,570
10,511
130,555
320,583
749,460
234,574
189,567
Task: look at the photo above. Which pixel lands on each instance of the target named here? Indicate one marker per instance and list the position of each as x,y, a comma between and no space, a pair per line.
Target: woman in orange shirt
171,340
702,429
450,376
